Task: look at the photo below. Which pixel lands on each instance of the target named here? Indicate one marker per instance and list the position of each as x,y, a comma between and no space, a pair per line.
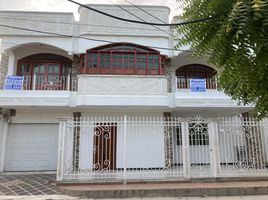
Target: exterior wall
87,17
140,35
145,142
121,85
39,116
36,23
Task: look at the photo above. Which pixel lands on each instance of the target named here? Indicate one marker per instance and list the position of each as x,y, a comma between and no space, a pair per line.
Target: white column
214,148
11,70
125,149
186,150
3,139
173,88
61,149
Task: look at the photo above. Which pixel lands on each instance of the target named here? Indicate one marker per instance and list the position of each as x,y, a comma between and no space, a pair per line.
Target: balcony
50,82
207,98
184,84
39,91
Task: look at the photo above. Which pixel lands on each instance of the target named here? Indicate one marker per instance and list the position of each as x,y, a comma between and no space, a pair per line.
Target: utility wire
75,24
122,8
86,38
143,10
151,23
31,47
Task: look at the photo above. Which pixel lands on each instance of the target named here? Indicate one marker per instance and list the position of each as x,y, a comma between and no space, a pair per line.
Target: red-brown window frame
85,69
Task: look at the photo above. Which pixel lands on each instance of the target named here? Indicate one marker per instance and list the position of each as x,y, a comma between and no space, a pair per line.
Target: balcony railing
185,84
50,82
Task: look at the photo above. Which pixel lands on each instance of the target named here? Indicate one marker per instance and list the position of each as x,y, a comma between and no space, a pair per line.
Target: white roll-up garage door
32,147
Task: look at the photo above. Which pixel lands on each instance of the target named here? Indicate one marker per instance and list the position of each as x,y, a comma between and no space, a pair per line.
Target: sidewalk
61,197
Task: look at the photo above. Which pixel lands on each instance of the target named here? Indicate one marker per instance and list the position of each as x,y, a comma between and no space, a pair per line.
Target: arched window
44,64
196,71
50,71
121,58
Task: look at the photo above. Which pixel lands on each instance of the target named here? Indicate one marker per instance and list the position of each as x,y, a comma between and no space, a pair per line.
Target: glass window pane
28,68
42,69
57,69
92,60
50,69
141,61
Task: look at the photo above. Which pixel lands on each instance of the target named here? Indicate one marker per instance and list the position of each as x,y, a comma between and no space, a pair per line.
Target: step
164,189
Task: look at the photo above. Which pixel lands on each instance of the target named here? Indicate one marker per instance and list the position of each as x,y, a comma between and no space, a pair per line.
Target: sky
58,5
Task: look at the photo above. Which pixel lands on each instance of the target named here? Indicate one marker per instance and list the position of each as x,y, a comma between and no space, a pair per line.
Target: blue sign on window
198,85
14,83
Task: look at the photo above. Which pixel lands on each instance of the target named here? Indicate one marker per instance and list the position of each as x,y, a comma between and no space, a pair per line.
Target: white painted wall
145,145
91,17
37,24
39,116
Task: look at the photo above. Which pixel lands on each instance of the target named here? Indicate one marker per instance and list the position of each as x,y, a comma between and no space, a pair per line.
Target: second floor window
122,59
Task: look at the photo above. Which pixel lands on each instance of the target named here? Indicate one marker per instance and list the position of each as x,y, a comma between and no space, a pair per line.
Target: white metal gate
126,148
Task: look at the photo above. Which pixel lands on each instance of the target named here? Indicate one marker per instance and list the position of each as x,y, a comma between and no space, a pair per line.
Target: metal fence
49,82
183,83
127,148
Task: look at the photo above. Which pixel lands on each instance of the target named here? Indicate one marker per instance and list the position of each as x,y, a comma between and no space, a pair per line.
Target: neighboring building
125,109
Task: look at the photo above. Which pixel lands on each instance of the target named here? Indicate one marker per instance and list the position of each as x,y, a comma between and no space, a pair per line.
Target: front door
104,151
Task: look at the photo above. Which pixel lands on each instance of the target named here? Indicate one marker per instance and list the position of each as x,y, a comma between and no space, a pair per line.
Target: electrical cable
122,8
31,47
76,24
140,8
151,23
86,38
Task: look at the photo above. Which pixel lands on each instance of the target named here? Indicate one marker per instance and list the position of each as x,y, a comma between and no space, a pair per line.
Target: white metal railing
243,147
49,82
118,147
185,83
125,148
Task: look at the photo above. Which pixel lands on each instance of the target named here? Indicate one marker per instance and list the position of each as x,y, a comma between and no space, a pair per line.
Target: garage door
32,147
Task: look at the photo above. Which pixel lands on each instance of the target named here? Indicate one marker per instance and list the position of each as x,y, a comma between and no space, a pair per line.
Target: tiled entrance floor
32,184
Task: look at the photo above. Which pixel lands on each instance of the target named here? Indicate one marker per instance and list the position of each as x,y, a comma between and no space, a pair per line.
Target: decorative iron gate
127,148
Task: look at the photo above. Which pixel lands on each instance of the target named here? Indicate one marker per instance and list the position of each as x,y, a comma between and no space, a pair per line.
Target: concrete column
76,66
167,72
3,141
76,142
214,148
186,150
168,141
11,70
3,67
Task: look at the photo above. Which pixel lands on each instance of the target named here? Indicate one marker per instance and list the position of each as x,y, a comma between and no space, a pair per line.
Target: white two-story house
102,98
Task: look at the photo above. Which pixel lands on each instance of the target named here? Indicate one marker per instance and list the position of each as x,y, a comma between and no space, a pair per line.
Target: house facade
104,99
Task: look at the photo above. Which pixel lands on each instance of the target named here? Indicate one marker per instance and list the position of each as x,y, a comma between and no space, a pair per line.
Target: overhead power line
143,10
31,47
81,37
122,8
76,24
151,23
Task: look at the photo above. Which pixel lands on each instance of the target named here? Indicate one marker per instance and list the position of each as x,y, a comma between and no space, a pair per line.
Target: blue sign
14,83
198,85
